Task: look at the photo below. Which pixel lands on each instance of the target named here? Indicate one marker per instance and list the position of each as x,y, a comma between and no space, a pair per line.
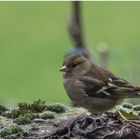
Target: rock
39,121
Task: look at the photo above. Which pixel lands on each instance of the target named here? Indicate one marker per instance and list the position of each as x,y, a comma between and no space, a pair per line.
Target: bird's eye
74,65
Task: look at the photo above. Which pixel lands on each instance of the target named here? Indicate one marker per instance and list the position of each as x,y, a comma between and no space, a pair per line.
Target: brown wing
122,88
95,87
103,83
113,88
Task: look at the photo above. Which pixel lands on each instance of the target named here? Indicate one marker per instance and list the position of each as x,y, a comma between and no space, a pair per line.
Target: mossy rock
127,105
40,123
48,115
58,108
136,107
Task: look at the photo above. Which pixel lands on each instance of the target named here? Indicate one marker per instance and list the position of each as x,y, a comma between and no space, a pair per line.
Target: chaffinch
93,87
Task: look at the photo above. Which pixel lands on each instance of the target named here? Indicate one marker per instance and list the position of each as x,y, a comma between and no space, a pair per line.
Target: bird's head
75,65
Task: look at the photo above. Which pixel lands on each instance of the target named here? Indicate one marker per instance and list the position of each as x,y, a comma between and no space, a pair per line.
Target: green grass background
34,40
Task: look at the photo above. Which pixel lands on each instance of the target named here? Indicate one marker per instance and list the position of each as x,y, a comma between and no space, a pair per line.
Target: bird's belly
75,90
96,104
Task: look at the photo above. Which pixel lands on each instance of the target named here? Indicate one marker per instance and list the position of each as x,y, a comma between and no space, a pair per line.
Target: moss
48,115
36,106
24,108
16,113
58,108
11,130
26,118
127,105
136,107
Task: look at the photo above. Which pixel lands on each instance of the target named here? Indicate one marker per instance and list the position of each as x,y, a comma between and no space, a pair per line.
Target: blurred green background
34,40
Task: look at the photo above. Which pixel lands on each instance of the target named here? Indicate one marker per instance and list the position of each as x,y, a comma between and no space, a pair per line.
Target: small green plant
26,118
24,108
48,115
36,106
58,108
16,113
11,130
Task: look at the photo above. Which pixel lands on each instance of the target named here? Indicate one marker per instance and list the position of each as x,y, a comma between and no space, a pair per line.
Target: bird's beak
64,68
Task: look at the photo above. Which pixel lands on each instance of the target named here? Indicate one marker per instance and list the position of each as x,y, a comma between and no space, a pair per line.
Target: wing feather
113,88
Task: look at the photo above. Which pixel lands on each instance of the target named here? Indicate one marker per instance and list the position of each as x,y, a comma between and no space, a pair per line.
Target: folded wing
112,87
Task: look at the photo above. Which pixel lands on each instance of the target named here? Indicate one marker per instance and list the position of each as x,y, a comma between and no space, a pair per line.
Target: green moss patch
11,130
58,108
25,108
26,118
48,115
36,106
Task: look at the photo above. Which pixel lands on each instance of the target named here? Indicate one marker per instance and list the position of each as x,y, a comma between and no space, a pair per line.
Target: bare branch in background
76,31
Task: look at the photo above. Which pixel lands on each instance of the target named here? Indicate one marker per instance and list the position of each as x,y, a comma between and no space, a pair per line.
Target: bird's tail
127,92
137,92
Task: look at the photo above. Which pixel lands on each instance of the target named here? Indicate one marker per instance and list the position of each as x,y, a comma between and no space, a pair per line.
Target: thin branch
75,28
77,13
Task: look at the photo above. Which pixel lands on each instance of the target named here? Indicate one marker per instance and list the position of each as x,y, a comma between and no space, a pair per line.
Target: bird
93,87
